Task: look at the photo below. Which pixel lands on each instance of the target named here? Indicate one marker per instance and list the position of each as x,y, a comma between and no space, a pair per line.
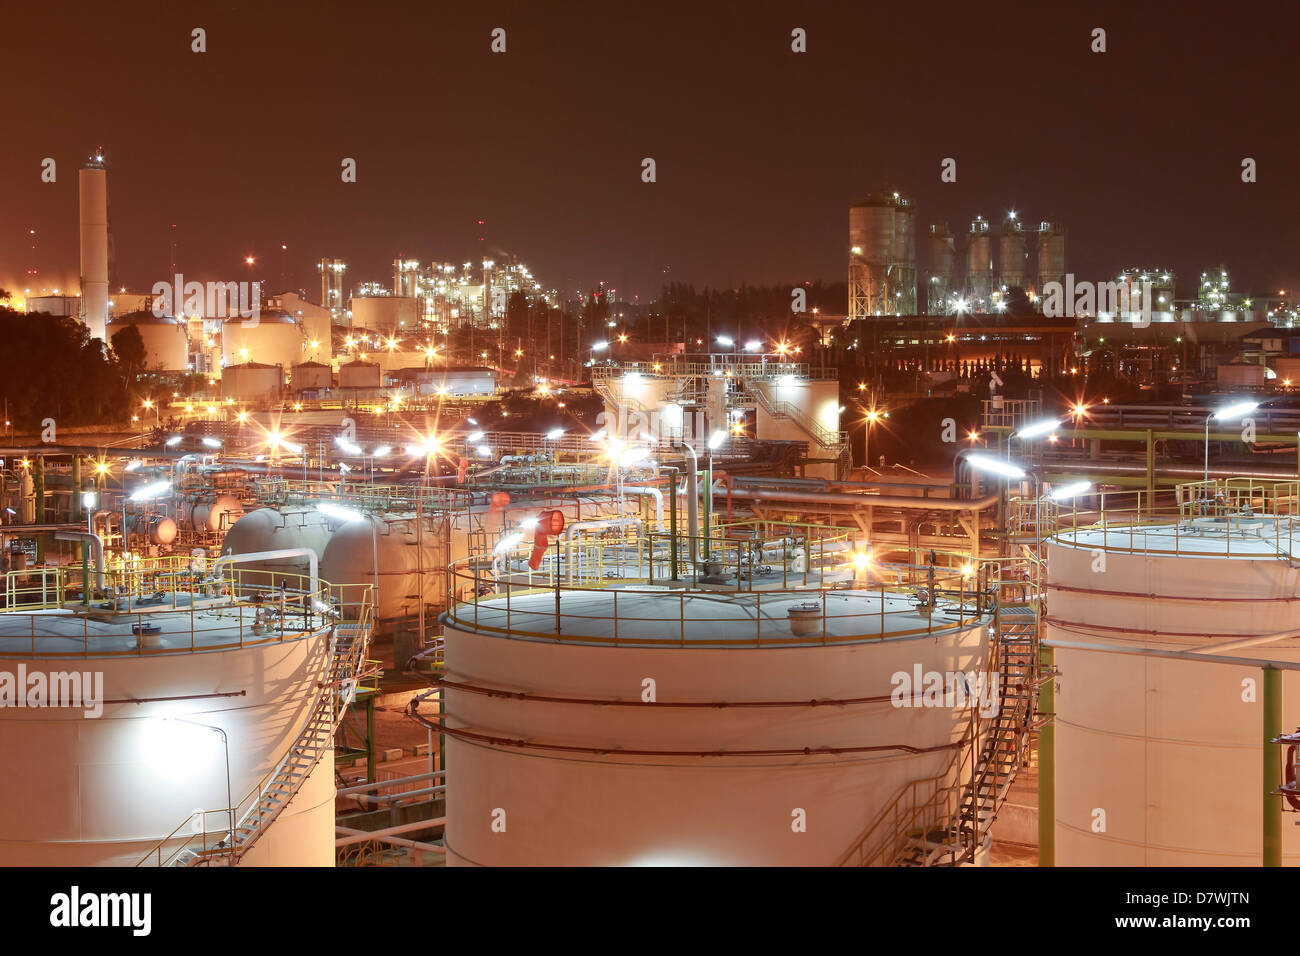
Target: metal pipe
1047,759
361,836
657,495
96,551
1272,831
852,500
312,561
692,504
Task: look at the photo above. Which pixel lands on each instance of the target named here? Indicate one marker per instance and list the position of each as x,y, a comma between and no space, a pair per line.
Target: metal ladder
349,646
1002,751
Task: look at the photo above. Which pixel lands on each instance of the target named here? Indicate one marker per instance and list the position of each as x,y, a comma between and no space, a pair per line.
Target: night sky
759,150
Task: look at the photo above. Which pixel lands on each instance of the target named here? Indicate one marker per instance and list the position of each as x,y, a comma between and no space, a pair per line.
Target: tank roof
671,618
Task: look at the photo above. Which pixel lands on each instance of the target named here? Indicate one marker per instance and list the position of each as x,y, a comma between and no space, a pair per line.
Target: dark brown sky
759,150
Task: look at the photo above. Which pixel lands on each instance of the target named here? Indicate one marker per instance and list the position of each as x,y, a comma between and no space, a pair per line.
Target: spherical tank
590,780
276,529
1158,760
102,785
273,338
166,341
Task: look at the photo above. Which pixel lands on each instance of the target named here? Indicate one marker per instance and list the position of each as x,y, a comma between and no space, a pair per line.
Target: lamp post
872,417
1227,413
692,503
225,742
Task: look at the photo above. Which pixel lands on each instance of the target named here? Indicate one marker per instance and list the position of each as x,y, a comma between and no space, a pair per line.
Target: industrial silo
1051,255
979,264
641,727
940,264
166,341
1013,258
1159,759
882,255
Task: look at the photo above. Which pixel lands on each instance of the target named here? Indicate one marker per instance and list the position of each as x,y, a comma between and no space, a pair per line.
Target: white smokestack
93,191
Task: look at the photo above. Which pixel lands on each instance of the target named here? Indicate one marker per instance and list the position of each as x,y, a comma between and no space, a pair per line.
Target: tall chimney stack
93,192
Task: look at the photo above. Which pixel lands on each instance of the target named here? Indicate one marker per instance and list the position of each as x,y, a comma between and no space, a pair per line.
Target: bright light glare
753,346
212,442
725,341
334,511
598,346
474,436
509,541
716,439
350,447
151,491
995,466
528,524
1038,429
173,441
484,451
632,456
89,499
1072,490
1236,410
554,434
381,451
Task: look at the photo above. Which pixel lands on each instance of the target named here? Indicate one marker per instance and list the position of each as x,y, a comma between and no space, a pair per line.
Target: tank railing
364,496
243,608
334,695
921,808
943,598
1147,521
742,365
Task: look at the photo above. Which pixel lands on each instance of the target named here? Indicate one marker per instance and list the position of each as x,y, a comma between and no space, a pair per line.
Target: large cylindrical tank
276,529
273,338
403,549
102,789
1159,761
166,341
1051,255
604,778
979,260
387,314
210,512
941,263
160,529
1013,257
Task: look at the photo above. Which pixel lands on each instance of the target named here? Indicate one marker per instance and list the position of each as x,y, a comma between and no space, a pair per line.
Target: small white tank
276,529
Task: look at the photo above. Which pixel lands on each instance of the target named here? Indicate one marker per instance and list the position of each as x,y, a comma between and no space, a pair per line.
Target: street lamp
1227,413
225,742
873,416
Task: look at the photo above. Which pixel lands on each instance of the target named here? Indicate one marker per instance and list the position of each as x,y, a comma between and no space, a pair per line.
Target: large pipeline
1074,466
863,501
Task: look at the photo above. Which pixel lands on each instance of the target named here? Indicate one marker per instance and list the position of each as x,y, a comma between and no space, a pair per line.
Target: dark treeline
51,368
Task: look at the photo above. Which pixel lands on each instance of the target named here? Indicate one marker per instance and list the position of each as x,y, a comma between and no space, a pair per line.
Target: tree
128,347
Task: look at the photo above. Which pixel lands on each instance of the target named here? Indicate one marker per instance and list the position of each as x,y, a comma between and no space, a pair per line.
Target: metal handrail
333,698
286,597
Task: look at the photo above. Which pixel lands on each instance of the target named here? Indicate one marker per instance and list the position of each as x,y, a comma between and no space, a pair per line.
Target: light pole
1227,413
225,741
692,503
872,417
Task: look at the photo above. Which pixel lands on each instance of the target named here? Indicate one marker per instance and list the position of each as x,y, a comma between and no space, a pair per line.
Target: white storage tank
600,775
1158,761
272,338
210,512
252,382
166,341
277,529
102,785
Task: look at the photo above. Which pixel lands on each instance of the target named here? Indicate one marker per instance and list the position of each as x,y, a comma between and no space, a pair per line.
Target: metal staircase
945,820
349,644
